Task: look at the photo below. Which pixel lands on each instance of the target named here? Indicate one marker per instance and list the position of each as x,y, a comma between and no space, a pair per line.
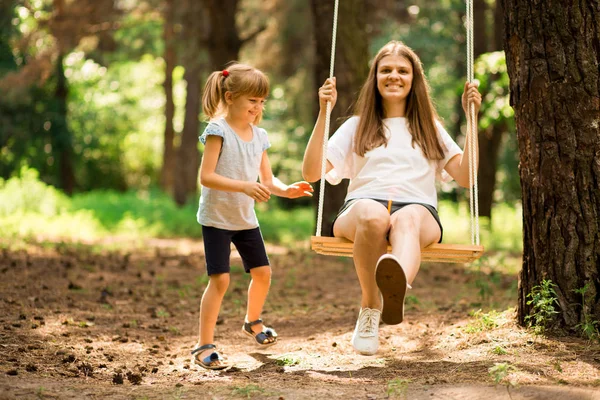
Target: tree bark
351,70
188,157
166,175
224,43
61,135
552,52
63,143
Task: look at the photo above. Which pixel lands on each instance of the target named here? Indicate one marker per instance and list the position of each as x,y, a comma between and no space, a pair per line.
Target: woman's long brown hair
420,112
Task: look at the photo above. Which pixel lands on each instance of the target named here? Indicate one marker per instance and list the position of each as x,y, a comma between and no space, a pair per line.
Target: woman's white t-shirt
397,172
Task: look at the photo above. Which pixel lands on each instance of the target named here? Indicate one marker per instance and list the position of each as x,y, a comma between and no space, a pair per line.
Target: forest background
100,115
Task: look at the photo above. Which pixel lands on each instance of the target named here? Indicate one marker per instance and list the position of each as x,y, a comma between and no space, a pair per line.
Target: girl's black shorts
217,248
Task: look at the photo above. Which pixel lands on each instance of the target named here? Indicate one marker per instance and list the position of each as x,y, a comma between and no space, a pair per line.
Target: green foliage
500,371
485,321
492,73
504,232
28,194
31,208
544,302
287,360
588,327
115,116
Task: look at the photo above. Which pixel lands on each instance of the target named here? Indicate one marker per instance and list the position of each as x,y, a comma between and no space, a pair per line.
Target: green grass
31,209
482,322
503,232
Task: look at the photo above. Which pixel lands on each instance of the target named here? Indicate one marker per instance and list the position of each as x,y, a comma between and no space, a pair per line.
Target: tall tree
224,42
62,140
490,139
167,169
188,158
553,56
218,33
351,70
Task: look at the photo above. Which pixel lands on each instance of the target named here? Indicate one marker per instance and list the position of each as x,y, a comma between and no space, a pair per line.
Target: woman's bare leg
412,229
365,223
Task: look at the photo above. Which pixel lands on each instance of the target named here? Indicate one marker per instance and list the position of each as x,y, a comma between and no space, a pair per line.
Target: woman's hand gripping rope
327,92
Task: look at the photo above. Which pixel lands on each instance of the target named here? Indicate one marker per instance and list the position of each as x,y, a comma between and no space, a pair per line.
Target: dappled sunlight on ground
126,321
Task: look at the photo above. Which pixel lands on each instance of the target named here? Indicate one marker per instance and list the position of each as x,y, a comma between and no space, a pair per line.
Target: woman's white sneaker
365,339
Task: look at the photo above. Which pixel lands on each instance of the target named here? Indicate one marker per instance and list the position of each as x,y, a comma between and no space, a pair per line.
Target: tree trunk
224,43
166,175
552,53
188,158
487,168
61,136
490,140
7,60
186,179
351,70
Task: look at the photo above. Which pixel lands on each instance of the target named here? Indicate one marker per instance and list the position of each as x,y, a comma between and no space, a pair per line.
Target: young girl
234,157
391,150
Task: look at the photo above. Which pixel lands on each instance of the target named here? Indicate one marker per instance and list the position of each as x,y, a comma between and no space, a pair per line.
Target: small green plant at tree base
411,301
588,327
397,387
248,391
287,360
544,301
499,350
484,321
499,372
557,366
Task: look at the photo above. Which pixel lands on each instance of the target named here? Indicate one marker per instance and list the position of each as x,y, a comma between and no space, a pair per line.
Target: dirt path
81,322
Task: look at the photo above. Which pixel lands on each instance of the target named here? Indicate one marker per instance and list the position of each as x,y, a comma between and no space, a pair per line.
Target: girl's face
394,79
244,108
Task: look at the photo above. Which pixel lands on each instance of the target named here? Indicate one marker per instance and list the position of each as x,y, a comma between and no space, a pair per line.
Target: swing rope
471,134
327,123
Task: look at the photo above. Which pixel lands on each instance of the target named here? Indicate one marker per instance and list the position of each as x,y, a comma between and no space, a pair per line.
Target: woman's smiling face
394,78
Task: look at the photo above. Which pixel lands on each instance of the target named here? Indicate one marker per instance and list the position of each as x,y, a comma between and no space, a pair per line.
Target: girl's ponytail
213,95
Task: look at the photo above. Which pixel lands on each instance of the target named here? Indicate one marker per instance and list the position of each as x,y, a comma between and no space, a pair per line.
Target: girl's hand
327,92
298,189
471,95
257,191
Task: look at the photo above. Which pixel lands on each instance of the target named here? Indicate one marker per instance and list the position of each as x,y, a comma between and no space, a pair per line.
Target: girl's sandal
212,361
267,337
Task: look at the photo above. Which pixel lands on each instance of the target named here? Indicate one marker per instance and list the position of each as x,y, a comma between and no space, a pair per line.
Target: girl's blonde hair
239,79
420,112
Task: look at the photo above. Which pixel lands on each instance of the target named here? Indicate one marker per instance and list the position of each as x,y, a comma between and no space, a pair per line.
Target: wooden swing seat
447,253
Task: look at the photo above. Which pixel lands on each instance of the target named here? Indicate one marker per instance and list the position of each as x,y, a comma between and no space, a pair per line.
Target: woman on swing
392,150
